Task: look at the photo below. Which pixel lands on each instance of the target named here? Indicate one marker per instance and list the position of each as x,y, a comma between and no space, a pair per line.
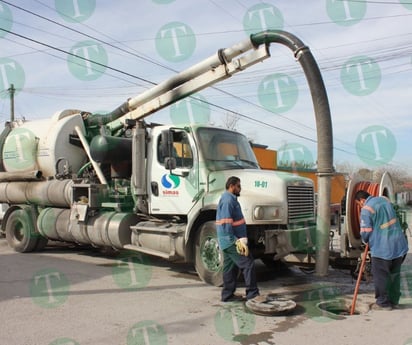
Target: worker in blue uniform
380,228
232,238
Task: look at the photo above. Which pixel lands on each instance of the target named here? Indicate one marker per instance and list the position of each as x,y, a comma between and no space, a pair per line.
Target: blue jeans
232,262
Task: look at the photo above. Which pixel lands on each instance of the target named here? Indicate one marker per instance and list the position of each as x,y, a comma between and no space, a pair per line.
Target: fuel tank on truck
40,144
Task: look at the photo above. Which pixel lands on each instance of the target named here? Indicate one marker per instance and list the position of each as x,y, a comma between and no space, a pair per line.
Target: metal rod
11,90
355,295
86,147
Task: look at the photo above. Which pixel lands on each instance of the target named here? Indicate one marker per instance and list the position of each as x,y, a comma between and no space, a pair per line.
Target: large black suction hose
101,120
324,135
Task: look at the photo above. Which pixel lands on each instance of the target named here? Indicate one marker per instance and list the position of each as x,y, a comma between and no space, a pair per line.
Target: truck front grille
300,203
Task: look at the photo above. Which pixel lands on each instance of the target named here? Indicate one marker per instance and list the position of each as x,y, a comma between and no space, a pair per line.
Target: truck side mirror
168,151
166,144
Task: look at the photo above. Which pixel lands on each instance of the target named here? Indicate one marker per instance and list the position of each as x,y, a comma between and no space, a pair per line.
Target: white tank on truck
115,180
38,145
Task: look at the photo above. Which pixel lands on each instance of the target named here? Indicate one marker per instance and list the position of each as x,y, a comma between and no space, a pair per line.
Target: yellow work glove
241,246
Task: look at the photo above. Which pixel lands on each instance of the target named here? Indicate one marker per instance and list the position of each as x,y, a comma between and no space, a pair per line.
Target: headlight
267,213
258,213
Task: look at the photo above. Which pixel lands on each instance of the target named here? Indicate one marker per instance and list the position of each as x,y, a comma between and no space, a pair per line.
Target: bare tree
347,168
401,178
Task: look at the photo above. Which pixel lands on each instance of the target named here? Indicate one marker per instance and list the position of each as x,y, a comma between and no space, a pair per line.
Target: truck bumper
284,242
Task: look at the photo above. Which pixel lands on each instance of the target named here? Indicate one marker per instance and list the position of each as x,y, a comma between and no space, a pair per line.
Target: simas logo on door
170,183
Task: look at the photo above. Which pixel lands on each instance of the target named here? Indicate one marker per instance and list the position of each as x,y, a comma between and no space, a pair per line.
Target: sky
93,55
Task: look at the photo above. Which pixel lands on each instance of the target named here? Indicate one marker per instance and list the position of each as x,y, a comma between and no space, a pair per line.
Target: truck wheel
20,234
209,257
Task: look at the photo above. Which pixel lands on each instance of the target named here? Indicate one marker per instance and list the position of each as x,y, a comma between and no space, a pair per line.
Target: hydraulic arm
219,66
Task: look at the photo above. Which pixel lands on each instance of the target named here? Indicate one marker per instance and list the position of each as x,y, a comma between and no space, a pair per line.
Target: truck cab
187,171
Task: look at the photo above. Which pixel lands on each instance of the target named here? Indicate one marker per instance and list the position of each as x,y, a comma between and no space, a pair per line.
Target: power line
158,64
214,105
59,57
137,55
82,33
139,78
77,56
123,50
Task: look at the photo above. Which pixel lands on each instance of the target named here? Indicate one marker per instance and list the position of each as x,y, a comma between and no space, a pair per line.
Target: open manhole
270,305
341,307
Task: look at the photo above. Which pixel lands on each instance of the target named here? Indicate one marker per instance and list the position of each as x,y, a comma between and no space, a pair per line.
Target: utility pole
11,89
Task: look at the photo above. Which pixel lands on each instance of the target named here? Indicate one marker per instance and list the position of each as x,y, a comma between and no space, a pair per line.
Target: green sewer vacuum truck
115,180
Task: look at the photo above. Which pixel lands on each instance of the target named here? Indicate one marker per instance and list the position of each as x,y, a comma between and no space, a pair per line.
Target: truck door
174,191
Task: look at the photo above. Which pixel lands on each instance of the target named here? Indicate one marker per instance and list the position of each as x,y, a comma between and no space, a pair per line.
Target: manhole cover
270,305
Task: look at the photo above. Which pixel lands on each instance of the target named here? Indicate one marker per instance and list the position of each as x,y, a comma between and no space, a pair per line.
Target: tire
208,256
20,232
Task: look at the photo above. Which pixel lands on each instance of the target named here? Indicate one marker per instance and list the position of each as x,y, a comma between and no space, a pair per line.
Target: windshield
224,149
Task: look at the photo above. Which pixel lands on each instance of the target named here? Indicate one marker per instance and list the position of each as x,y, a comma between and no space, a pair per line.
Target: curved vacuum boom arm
324,135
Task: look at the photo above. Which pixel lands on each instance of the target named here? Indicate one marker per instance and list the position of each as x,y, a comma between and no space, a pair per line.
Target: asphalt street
80,296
